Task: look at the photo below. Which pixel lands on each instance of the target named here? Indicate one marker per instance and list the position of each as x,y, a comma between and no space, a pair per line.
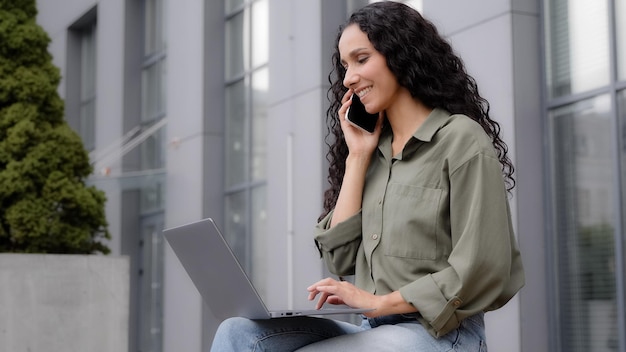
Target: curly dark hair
424,63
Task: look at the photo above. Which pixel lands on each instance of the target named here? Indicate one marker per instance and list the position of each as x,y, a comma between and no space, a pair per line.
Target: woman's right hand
360,143
361,146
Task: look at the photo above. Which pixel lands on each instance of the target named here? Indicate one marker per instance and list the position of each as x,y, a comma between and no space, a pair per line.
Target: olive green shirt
435,224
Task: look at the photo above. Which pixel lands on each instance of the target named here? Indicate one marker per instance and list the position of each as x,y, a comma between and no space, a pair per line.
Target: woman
417,210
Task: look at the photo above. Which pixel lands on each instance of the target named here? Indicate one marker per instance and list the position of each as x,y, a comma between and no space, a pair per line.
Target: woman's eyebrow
357,51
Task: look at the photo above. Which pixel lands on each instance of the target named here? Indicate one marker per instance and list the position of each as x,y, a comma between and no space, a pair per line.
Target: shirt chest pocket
410,221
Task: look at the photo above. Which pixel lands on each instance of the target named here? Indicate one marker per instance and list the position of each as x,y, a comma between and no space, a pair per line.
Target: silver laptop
220,279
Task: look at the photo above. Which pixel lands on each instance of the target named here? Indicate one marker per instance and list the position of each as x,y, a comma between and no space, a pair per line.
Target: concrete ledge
63,303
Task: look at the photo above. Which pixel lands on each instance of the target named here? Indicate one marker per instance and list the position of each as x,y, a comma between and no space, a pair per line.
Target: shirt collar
435,120
425,133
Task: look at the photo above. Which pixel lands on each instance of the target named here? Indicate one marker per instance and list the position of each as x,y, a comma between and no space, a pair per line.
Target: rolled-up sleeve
339,245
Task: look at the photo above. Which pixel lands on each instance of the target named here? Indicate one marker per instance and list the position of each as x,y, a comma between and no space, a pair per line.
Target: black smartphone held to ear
360,118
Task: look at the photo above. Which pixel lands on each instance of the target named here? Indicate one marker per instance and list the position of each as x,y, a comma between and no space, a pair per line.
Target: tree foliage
45,204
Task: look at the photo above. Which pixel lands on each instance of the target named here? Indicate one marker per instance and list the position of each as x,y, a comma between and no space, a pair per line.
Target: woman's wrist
393,303
361,160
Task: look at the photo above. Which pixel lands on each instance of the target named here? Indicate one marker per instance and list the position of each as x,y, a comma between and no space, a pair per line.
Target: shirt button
456,303
375,237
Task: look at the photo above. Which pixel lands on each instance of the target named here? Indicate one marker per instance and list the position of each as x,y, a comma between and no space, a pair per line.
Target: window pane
153,91
260,87
577,45
260,33
88,123
154,27
233,5
583,187
235,46
152,151
88,63
620,21
236,138
152,195
237,227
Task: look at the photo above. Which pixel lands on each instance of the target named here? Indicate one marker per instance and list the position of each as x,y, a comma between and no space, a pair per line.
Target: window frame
244,247
612,89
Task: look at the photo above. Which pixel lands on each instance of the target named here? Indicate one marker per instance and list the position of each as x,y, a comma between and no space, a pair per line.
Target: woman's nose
350,78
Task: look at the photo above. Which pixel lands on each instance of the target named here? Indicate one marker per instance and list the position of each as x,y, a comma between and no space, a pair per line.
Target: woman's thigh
408,337
282,334
470,336
398,337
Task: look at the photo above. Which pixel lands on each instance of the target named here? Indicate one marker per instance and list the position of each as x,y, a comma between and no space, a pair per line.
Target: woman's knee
235,327
233,334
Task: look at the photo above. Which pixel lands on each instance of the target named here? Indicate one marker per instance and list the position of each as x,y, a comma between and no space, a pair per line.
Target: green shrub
45,204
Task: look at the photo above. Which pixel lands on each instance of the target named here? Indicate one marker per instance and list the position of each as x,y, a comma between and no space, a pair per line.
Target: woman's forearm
392,303
350,197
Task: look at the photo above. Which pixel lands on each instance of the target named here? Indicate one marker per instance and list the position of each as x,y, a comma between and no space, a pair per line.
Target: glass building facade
585,83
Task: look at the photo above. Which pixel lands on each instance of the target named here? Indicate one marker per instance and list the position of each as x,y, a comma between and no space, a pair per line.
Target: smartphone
360,118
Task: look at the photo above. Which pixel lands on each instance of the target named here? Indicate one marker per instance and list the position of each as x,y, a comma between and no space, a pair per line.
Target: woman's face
367,73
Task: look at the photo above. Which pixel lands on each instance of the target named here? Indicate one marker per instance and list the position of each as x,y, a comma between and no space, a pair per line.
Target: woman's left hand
342,292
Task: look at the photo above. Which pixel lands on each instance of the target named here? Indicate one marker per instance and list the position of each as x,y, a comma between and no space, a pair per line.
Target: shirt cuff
341,234
437,310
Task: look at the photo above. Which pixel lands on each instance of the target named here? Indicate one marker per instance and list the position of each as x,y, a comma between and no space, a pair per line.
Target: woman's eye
362,60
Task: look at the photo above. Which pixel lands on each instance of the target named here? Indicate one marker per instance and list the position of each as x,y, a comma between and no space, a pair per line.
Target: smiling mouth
363,91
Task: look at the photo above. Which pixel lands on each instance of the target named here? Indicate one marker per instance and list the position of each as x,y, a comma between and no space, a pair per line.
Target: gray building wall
196,144
47,302
498,39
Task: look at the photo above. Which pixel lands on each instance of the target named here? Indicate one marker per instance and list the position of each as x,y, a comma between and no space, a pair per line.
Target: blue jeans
389,333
